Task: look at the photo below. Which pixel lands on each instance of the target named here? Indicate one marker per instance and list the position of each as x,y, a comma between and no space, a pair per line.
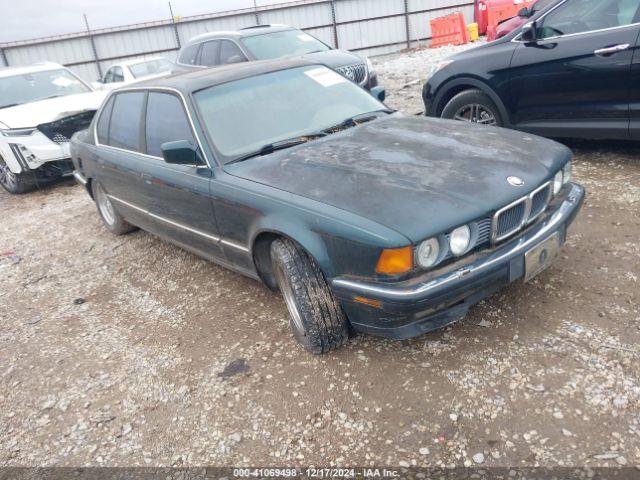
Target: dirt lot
130,351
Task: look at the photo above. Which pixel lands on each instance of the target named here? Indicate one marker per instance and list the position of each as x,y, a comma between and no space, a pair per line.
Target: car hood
416,175
45,111
334,58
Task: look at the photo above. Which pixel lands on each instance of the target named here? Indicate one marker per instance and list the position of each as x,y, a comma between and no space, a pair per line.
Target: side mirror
379,93
182,152
524,13
235,59
528,33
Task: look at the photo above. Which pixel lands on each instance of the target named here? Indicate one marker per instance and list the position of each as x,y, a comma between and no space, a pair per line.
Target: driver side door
575,79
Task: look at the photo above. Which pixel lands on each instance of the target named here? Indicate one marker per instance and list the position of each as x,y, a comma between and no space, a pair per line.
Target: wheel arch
310,242
458,85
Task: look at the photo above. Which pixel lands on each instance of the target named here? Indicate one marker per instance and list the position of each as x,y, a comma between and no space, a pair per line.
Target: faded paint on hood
416,175
44,111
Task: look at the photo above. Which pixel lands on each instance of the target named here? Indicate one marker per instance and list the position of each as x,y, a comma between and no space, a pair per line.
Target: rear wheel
110,216
473,106
14,183
317,321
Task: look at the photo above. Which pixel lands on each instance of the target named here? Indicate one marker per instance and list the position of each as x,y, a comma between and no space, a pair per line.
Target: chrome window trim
517,39
147,90
208,236
528,201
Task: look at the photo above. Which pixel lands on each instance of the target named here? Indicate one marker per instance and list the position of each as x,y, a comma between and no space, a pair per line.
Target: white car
132,71
41,107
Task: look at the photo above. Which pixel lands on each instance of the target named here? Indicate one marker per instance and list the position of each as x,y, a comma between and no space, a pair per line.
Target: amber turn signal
395,261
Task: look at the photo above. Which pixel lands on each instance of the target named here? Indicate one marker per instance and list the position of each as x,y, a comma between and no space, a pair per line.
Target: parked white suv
41,107
124,73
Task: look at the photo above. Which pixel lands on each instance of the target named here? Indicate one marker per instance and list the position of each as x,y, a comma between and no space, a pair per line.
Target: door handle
603,52
146,177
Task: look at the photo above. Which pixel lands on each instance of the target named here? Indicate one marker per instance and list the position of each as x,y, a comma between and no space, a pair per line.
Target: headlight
459,240
557,182
566,173
18,132
439,66
428,253
370,68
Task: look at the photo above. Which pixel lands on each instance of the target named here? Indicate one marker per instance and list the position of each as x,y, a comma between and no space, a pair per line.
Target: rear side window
230,53
189,54
103,123
125,127
166,122
118,76
209,54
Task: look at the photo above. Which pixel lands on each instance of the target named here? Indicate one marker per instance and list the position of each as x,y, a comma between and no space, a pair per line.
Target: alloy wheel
8,179
475,113
105,205
287,293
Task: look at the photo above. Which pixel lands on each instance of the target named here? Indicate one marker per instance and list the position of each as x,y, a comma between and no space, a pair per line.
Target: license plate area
540,257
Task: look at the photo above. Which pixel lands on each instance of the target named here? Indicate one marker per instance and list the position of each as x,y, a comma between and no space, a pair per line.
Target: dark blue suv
572,71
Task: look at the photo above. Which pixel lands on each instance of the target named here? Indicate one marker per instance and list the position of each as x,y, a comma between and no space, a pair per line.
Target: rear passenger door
120,154
177,196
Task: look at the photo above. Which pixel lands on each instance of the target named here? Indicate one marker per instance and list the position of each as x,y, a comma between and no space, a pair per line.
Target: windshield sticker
63,82
305,38
325,77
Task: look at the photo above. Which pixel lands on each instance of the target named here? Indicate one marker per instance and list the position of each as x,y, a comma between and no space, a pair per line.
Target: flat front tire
14,183
110,216
316,319
473,106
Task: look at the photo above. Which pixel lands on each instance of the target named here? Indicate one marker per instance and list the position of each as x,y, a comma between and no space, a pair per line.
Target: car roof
135,61
36,67
244,32
193,80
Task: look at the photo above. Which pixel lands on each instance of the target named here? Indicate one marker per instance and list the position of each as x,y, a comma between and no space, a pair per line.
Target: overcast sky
24,19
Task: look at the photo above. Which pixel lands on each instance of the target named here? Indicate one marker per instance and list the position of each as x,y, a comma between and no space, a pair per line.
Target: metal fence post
335,24
93,45
406,22
255,11
3,55
175,27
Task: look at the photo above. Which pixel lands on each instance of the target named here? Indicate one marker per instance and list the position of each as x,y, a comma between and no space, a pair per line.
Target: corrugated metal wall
370,27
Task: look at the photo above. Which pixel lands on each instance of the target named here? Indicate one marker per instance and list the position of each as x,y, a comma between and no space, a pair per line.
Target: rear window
166,122
125,127
188,55
103,123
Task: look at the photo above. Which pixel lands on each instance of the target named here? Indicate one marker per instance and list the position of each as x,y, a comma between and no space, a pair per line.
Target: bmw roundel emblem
515,181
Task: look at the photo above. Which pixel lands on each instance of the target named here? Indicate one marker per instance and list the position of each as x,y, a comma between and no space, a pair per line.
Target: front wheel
14,183
317,321
473,106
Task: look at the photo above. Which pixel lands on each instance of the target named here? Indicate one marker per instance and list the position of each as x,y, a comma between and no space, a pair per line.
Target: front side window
31,87
209,53
282,44
188,54
152,67
166,122
126,117
230,53
245,115
103,123
578,16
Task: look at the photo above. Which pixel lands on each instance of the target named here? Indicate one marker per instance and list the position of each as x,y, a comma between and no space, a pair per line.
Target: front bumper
413,307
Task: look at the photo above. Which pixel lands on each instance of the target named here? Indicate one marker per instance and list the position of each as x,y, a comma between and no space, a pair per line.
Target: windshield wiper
48,98
9,105
356,120
280,145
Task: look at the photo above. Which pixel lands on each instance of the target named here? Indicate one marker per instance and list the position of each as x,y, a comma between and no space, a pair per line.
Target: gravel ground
129,351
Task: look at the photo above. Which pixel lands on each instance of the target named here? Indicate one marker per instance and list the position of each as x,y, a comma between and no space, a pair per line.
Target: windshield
151,67
245,115
282,44
31,87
